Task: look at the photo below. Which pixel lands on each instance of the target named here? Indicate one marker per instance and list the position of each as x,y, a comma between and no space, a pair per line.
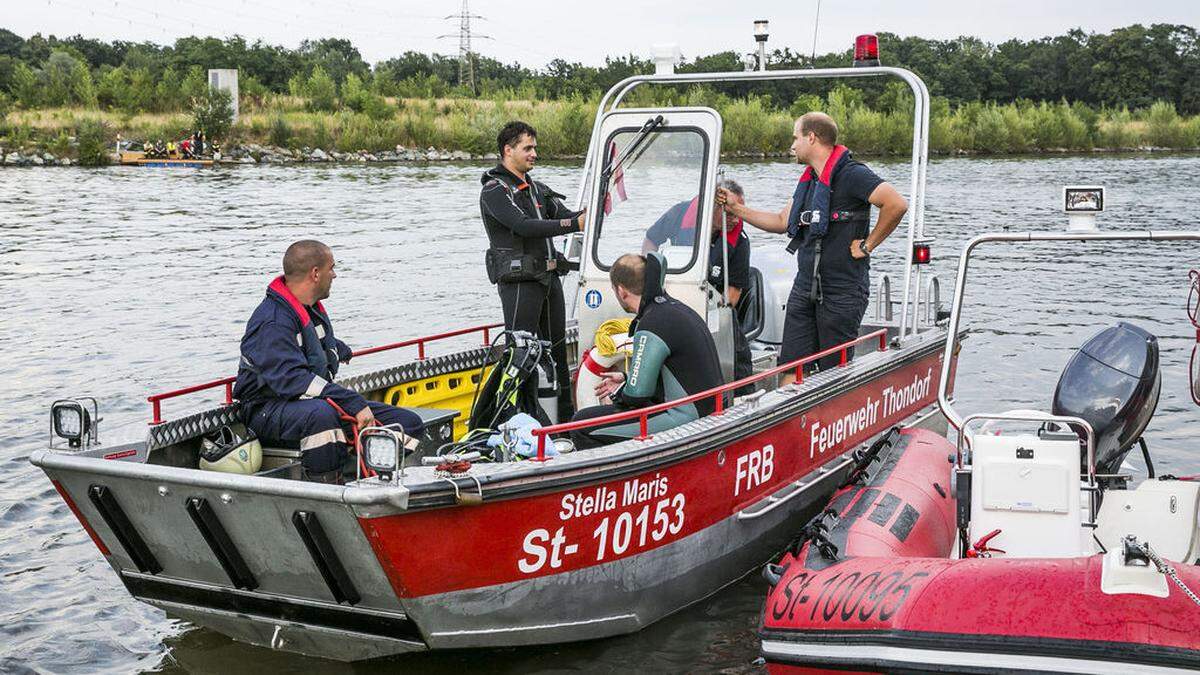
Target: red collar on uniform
689,222
280,287
827,170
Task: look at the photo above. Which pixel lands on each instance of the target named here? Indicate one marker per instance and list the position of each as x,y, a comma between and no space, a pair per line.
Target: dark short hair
821,125
511,133
629,272
302,256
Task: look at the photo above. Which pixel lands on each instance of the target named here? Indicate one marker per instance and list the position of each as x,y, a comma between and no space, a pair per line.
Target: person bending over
674,356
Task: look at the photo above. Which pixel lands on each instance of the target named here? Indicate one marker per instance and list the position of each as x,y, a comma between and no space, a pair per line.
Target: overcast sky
535,31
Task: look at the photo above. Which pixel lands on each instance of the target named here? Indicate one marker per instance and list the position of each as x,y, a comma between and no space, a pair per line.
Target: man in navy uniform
828,222
289,360
678,226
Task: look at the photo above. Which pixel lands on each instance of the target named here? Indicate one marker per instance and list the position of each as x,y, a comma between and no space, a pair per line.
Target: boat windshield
652,194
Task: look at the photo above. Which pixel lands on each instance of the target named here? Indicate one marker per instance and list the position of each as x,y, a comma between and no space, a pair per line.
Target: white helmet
231,449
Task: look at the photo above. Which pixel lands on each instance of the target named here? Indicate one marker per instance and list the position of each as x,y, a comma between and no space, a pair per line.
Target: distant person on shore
828,222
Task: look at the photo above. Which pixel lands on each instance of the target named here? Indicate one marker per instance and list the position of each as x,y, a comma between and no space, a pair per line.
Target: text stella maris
604,498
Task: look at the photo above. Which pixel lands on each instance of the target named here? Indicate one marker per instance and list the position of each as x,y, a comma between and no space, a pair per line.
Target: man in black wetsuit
674,356
678,226
828,222
522,217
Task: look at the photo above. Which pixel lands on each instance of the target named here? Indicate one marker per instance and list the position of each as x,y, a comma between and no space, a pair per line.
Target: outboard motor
1112,382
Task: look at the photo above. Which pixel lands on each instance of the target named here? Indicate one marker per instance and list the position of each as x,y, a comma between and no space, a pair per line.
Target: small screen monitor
1083,199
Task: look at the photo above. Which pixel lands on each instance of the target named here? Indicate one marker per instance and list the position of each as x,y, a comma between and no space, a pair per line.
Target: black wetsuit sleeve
498,204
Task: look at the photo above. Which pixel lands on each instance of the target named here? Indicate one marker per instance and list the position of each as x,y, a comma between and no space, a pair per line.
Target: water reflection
124,281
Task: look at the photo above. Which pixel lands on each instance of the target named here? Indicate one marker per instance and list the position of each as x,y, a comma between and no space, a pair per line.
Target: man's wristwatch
862,246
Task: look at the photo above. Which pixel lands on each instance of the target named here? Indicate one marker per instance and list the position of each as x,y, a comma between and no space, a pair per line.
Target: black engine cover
1112,382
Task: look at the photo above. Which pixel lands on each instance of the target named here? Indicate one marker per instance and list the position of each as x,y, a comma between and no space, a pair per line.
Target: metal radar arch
920,152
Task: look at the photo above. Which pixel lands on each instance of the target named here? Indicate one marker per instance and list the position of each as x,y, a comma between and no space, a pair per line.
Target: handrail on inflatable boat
157,399
953,416
716,393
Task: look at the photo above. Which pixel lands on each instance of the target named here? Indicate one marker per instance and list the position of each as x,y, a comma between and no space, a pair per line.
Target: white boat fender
592,370
612,345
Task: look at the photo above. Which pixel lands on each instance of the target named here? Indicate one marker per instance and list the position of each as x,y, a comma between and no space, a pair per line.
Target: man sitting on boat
674,356
289,360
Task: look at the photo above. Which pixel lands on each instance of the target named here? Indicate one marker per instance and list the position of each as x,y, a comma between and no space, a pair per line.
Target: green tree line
1130,67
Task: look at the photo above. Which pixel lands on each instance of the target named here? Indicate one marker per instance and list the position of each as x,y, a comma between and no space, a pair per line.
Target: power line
466,59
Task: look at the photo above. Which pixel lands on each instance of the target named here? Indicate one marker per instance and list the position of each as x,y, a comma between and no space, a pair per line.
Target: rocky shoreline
252,153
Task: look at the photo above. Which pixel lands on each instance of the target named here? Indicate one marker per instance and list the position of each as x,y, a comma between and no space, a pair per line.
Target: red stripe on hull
82,521
515,539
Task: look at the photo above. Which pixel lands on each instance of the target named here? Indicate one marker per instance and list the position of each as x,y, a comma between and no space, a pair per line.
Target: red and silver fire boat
576,546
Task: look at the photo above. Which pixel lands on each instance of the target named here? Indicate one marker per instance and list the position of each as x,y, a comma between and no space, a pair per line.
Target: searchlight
1081,203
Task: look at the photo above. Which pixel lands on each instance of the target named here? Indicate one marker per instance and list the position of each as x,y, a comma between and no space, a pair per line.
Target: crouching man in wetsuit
828,222
521,217
674,356
289,359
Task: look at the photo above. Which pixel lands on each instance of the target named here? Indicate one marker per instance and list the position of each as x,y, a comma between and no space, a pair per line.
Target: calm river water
121,282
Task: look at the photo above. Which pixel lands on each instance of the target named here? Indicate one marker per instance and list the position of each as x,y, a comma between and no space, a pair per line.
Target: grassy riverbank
753,125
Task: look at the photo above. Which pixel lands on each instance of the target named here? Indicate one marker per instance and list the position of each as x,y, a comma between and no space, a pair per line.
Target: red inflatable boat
874,587
1010,550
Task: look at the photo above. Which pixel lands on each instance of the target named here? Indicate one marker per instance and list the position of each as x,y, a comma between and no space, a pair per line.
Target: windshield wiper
612,164
642,134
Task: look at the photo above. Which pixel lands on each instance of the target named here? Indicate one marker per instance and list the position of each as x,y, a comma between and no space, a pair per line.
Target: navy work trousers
810,327
313,426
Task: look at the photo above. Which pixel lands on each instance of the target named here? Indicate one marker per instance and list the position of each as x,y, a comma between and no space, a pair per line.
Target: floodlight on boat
1081,203
383,450
866,50
71,421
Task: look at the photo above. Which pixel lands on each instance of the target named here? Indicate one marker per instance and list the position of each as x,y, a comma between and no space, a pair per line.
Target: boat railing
227,382
716,393
883,298
953,416
929,298
915,216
